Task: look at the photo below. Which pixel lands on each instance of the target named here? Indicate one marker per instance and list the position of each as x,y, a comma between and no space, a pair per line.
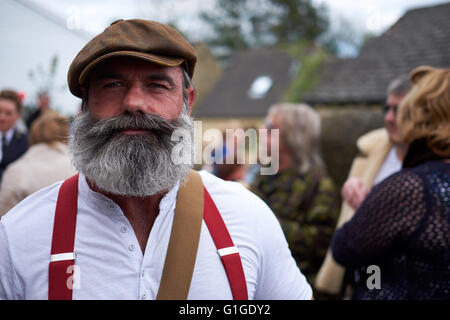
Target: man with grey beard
104,155
107,233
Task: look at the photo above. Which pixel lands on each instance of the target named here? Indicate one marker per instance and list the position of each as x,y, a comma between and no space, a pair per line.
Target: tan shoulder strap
182,251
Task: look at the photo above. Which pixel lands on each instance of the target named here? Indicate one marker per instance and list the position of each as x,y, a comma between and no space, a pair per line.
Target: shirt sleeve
279,276
388,216
7,274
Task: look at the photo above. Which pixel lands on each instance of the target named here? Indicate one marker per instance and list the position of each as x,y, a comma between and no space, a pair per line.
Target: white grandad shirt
110,263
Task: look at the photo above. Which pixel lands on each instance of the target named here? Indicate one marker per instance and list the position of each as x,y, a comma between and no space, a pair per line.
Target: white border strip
62,256
227,251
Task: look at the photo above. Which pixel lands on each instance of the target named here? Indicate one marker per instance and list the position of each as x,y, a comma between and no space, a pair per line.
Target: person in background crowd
13,142
380,154
301,194
402,226
46,161
43,106
135,82
226,167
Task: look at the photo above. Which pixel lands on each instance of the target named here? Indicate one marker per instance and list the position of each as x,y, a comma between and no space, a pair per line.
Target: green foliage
44,79
298,20
242,24
310,60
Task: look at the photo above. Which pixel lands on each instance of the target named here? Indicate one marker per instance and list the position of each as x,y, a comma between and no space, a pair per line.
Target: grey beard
130,165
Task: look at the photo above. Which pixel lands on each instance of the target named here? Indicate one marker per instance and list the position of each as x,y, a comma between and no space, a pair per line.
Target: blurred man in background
13,142
43,106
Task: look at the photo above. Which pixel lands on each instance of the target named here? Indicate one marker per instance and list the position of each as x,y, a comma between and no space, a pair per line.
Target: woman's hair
49,128
425,110
13,96
300,132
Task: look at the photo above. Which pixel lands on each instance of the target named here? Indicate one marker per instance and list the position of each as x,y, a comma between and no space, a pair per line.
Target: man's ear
191,95
84,94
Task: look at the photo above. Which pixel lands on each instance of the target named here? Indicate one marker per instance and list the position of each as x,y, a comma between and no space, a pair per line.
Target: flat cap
144,39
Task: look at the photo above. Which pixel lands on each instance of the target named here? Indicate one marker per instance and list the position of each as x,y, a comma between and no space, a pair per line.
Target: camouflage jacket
307,208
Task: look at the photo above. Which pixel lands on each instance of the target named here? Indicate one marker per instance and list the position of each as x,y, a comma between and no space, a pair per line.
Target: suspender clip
62,256
227,251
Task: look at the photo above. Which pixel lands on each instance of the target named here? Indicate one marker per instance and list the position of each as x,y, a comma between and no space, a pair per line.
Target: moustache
152,123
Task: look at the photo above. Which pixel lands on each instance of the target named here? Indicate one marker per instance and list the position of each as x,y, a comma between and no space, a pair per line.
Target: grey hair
300,132
399,86
187,83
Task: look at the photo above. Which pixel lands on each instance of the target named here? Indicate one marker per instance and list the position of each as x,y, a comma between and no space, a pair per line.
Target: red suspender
62,257
225,246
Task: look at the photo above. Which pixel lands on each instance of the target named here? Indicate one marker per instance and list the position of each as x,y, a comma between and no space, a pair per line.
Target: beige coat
374,148
40,166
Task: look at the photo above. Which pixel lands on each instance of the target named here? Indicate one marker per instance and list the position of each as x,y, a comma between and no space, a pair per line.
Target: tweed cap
144,39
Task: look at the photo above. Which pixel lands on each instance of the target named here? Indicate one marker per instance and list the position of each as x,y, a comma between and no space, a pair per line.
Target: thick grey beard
130,165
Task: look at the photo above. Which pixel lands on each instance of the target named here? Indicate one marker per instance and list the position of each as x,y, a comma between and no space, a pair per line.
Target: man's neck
141,212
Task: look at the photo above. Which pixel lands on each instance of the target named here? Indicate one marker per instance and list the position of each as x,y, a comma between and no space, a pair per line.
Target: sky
366,16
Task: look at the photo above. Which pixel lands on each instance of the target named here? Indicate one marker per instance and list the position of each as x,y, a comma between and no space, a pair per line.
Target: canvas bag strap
183,244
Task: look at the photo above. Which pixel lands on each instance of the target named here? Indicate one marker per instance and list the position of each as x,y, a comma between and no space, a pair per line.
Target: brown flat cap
144,39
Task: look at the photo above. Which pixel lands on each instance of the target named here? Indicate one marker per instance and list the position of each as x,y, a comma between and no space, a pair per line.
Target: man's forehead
394,98
126,65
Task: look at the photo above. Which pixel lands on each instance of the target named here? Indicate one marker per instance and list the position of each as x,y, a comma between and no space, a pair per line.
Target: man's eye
114,84
157,85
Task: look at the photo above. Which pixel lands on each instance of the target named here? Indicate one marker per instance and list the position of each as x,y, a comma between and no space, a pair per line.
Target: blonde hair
425,110
49,128
300,131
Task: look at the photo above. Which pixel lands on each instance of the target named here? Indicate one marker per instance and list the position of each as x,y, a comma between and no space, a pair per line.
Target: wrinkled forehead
128,67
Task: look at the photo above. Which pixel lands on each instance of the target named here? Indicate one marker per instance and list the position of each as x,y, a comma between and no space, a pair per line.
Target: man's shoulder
370,140
33,210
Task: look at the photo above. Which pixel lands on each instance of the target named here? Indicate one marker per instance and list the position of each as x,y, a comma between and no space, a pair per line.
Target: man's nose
390,115
134,101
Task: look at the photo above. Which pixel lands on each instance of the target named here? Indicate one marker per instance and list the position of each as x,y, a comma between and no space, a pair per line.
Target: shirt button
123,229
111,206
143,296
131,247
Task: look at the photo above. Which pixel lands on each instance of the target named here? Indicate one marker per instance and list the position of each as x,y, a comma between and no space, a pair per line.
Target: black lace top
403,227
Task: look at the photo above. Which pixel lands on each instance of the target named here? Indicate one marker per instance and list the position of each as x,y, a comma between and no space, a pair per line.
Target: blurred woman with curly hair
398,241
45,162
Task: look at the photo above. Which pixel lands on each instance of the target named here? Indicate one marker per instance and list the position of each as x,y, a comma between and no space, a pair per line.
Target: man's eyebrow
108,75
161,77
150,77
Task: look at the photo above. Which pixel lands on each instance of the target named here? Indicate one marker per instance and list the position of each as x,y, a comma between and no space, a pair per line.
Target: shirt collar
100,201
9,135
